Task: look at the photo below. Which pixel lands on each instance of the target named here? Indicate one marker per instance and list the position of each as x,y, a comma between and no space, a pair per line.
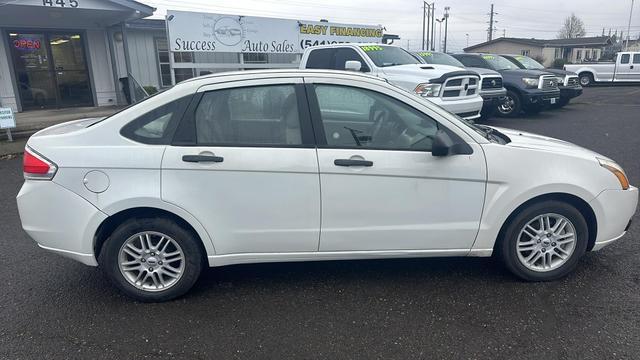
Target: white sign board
7,120
205,32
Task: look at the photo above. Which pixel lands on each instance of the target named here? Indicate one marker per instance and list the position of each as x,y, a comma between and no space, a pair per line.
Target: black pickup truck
568,81
527,90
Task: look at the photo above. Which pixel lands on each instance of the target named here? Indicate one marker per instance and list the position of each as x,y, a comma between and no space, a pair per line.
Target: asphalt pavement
457,308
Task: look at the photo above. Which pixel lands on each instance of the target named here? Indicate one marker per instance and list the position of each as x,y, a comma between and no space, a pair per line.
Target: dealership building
86,53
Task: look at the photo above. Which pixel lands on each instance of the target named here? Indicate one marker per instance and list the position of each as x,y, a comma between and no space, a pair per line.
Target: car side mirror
353,65
443,145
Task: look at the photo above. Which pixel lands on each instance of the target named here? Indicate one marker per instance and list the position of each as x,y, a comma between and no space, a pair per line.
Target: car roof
270,73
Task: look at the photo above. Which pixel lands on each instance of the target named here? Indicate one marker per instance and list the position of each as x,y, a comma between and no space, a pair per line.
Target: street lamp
467,35
440,33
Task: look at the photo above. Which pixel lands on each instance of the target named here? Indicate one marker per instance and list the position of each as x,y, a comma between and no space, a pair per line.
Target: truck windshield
439,58
499,63
528,63
384,56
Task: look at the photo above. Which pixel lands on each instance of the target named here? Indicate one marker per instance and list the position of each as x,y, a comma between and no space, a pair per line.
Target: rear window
157,126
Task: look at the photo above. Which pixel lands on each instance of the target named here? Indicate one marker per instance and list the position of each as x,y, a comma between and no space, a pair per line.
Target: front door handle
631,67
202,158
350,162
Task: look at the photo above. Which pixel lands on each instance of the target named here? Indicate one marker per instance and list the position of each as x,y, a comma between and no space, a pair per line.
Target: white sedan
269,166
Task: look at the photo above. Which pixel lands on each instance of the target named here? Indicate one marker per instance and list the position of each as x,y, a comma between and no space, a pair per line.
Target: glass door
33,70
70,70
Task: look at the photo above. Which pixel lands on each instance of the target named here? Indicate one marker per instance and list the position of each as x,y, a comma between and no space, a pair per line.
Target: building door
51,70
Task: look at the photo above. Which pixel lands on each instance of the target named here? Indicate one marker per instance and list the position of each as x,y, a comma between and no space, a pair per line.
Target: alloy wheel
546,242
507,105
151,261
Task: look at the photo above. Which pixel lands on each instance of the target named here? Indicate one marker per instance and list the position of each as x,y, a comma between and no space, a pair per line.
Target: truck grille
460,86
573,81
492,83
548,82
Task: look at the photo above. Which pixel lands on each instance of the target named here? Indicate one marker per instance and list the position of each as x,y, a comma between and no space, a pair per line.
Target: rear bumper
59,220
468,108
613,209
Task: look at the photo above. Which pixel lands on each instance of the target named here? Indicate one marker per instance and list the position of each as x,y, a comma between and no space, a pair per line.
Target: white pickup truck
626,68
450,87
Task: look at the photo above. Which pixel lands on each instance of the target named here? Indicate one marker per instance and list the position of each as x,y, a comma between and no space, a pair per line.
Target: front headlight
427,90
530,82
616,170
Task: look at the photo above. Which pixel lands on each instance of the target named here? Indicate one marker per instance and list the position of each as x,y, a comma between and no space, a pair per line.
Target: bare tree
573,28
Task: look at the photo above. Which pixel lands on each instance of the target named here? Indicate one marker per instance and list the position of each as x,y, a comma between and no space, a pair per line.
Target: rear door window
157,126
320,59
636,58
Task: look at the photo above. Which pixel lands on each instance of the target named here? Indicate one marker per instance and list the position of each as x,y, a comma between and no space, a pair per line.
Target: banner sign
205,32
7,120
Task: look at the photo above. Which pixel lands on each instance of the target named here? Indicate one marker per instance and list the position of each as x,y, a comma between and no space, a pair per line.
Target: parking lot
462,308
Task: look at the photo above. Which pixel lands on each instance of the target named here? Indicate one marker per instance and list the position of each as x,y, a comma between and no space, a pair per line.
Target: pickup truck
626,68
491,89
527,90
450,87
567,81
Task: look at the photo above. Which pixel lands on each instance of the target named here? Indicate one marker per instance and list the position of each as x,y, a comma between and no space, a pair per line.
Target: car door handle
202,158
350,162
632,67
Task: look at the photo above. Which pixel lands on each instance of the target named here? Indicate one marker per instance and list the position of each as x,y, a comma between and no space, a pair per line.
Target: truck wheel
586,79
511,106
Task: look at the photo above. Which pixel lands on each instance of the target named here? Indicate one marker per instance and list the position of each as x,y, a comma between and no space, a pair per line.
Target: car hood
560,72
483,71
522,139
427,71
524,72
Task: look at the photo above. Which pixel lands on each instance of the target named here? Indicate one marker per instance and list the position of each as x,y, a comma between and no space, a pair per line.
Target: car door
243,162
634,74
381,187
624,68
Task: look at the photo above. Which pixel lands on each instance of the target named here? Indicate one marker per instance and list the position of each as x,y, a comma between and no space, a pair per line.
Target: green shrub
150,89
558,63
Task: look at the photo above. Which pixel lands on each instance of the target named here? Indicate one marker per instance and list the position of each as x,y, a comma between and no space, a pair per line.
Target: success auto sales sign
204,32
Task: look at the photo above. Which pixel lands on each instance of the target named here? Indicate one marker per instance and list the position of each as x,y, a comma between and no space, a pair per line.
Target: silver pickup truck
625,69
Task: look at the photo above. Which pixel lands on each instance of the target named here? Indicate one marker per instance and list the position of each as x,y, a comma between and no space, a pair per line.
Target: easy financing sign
204,32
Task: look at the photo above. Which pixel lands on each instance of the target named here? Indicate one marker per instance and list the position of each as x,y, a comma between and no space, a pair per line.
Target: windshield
528,62
439,58
499,63
384,56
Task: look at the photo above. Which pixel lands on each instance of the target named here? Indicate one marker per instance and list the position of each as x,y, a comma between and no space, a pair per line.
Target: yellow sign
488,57
371,48
425,54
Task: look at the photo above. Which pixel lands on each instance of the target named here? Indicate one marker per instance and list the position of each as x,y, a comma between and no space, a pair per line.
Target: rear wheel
545,241
152,259
511,106
586,79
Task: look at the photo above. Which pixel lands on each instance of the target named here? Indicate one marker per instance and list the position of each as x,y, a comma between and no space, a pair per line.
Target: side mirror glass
353,65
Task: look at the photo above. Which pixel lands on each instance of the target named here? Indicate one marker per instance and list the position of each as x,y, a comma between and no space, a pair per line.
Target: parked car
491,89
625,69
568,81
527,90
447,86
289,165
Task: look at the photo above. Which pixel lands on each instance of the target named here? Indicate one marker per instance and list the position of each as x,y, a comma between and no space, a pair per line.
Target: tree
573,28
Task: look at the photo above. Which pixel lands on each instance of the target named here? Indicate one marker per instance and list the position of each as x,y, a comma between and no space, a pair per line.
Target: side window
636,58
343,55
320,59
156,126
625,58
358,118
250,116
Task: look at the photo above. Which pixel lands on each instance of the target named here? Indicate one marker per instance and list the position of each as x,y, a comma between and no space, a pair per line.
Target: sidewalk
29,122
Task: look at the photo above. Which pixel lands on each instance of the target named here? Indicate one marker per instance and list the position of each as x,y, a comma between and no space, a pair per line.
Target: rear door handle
202,158
350,162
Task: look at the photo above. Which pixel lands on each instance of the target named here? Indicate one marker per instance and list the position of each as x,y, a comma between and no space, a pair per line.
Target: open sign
27,44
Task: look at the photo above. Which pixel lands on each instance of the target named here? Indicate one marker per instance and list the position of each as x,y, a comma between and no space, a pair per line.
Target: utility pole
504,33
467,35
424,14
433,26
446,26
491,22
629,27
440,33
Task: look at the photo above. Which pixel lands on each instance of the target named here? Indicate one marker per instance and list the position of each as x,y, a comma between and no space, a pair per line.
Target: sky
540,19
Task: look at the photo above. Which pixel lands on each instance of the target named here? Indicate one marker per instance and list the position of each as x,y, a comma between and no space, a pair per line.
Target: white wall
101,69
7,95
142,54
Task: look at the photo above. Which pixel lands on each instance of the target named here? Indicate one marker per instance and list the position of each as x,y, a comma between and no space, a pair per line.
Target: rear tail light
36,166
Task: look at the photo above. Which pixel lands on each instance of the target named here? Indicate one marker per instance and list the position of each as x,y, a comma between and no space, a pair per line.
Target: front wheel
545,241
152,259
511,106
586,79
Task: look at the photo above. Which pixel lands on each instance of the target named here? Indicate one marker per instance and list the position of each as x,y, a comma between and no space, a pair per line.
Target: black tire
188,242
507,245
586,79
512,105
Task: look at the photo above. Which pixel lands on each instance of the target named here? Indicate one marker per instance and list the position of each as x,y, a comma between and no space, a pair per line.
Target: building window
557,54
162,49
578,55
255,58
524,52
